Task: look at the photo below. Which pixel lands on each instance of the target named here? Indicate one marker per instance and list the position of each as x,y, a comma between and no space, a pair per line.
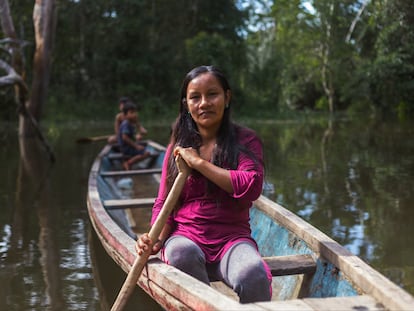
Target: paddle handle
92,139
141,260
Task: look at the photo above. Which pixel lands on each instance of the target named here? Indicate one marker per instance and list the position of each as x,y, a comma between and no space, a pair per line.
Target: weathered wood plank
117,156
224,289
132,172
156,145
158,293
129,203
278,265
293,264
364,302
286,305
352,303
197,295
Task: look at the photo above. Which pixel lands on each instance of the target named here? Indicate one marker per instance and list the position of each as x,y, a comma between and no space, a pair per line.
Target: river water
353,180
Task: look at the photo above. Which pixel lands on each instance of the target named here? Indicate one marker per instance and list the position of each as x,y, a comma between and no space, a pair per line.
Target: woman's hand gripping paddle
141,260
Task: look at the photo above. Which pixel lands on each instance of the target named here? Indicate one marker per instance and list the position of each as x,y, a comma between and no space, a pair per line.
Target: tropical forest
281,56
327,86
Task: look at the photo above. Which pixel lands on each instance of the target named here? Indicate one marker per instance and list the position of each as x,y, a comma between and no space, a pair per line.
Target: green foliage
279,55
322,103
393,67
141,48
209,49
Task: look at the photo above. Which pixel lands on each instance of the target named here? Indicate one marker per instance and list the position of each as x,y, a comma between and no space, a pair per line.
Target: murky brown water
352,180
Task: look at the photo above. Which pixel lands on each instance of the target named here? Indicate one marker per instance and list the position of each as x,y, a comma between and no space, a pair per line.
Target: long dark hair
185,132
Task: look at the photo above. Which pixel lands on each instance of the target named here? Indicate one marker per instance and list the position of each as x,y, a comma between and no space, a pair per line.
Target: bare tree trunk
354,22
6,20
326,70
44,20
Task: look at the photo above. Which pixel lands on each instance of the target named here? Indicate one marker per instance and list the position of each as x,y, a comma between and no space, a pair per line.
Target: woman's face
206,101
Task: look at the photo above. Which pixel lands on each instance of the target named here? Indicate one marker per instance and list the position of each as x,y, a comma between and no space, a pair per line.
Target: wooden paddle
141,260
82,140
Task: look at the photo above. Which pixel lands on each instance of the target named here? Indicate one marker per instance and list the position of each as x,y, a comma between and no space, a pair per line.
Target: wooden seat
292,264
351,303
117,156
279,266
129,203
132,172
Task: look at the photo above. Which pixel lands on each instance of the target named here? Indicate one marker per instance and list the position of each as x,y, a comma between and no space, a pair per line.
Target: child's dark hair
123,100
128,106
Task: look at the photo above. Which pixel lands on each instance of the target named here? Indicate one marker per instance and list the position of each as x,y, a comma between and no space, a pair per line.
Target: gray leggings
241,267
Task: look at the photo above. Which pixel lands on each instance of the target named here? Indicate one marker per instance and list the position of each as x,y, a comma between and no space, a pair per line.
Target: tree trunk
29,108
44,20
326,70
355,21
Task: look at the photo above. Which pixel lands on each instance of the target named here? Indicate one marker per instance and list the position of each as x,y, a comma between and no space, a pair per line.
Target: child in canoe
141,131
127,136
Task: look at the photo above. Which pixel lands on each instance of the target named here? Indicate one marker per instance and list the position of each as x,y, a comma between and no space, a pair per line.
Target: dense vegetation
280,55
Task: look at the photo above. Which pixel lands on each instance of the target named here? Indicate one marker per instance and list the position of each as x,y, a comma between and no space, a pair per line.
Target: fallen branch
11,79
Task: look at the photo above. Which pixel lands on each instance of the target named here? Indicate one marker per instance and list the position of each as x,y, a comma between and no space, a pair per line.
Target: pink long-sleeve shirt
215,221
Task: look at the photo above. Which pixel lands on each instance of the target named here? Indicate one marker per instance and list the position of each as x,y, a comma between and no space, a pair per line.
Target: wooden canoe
310,270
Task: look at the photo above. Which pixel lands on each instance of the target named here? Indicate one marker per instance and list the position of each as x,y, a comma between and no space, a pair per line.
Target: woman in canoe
208,235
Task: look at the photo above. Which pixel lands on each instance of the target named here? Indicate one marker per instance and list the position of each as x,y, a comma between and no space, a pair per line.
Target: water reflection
33,276
31,192
352,180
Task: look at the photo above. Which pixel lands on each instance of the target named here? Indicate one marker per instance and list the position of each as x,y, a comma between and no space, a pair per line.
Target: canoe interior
332,277
132,221
275,240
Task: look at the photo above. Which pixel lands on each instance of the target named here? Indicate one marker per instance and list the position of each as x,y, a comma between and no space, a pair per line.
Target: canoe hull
339,280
